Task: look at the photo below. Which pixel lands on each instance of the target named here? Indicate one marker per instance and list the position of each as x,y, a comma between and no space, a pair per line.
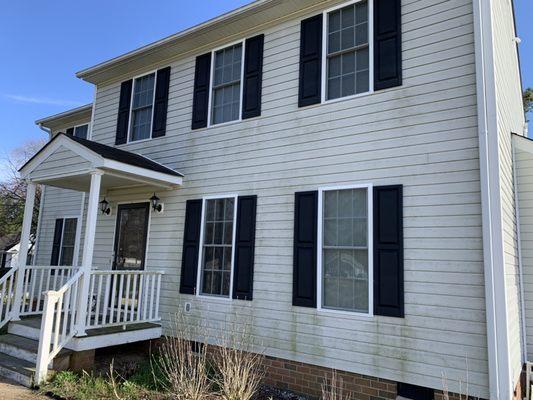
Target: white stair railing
121,298
39,280
58,324
7,295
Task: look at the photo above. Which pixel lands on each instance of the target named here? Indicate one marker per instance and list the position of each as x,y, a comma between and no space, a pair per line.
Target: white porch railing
37,281
116,298
120,298
58,324
7,289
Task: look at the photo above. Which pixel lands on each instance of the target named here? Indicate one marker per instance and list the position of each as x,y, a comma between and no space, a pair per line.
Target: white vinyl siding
422,135
510,120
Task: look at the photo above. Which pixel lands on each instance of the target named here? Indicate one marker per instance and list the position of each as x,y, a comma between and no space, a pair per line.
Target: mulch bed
267,393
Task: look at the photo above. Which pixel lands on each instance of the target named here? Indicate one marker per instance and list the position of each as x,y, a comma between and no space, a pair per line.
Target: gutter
500,381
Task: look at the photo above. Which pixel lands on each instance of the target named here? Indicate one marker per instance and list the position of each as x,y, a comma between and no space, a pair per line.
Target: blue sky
43,44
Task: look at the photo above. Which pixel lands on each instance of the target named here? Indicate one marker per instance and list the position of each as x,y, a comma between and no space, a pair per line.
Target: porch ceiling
68,162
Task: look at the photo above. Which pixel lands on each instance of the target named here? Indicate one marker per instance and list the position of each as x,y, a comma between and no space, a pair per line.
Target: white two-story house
350,176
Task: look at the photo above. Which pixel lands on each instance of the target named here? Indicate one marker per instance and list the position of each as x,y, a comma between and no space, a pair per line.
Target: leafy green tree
528,100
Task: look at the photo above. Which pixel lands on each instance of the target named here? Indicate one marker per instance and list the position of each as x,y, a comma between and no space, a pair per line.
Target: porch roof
67,161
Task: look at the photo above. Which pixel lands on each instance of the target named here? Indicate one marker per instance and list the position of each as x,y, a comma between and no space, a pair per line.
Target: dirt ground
10,390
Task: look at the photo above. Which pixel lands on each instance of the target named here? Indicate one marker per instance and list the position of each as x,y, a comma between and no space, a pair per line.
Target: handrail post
45,337
88,248
23,252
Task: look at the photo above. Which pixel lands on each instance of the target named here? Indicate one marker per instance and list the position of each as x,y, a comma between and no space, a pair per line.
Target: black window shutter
161,102
56,246
305,242
123,112
253,77
201,91
388,251
387,44
70,131
191,246
243,278
310,89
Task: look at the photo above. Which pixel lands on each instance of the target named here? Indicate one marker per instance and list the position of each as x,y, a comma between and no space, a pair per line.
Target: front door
130,237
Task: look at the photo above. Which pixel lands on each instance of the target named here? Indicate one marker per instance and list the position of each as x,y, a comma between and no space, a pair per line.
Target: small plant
463,392
238,368
183,371
333,388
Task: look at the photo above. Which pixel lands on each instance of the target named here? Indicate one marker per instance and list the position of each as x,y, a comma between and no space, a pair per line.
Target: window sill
326,311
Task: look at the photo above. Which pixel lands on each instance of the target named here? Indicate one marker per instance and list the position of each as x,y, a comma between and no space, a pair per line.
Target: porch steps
18,356
18,370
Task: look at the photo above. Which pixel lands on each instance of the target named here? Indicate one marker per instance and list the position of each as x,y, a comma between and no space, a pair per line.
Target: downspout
494,270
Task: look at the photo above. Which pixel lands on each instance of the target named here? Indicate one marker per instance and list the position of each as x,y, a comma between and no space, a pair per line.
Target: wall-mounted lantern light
104,207
156,205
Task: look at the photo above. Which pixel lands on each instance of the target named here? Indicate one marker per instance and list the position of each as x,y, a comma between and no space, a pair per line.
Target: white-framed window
217,246
347,64
345,249
69,235
227,69
142,107
81,131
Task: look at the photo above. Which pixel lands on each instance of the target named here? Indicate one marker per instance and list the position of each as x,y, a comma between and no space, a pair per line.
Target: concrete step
27,349
28,328
20,371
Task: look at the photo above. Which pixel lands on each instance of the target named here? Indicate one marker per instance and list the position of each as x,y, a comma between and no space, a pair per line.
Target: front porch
81,307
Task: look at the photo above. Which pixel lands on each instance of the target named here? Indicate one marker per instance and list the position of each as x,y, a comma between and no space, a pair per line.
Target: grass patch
140,385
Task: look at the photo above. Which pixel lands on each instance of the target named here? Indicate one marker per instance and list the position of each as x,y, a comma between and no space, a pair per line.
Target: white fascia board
141,172
500,381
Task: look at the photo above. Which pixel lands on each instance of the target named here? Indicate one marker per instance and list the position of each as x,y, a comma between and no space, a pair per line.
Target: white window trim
212,78
324,78
201,249
76,240
88,129
131,108
368,187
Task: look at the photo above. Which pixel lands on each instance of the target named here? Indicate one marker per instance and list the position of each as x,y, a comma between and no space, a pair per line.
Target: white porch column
23,251
88,250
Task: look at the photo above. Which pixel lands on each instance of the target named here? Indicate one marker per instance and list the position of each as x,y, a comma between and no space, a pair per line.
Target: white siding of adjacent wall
510,120
524,175
422,135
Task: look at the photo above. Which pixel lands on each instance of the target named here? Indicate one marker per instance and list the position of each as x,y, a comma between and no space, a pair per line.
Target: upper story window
347,55
81,131
142,107
226,88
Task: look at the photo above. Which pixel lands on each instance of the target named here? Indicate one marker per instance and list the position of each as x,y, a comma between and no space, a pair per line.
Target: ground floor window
345,254
217,246
68,241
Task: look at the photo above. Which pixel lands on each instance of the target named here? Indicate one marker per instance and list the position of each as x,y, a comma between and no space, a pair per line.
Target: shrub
333,388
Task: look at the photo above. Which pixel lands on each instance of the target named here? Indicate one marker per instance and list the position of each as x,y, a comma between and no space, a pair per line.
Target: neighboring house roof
112,153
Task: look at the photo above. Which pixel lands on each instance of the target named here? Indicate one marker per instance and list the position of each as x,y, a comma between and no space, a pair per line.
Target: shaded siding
524,174
510,120
423,135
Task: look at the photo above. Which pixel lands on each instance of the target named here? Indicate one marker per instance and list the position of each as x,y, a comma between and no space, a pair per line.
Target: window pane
348,35
81,131
217,246
143,97
227,84
68,241
345,251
